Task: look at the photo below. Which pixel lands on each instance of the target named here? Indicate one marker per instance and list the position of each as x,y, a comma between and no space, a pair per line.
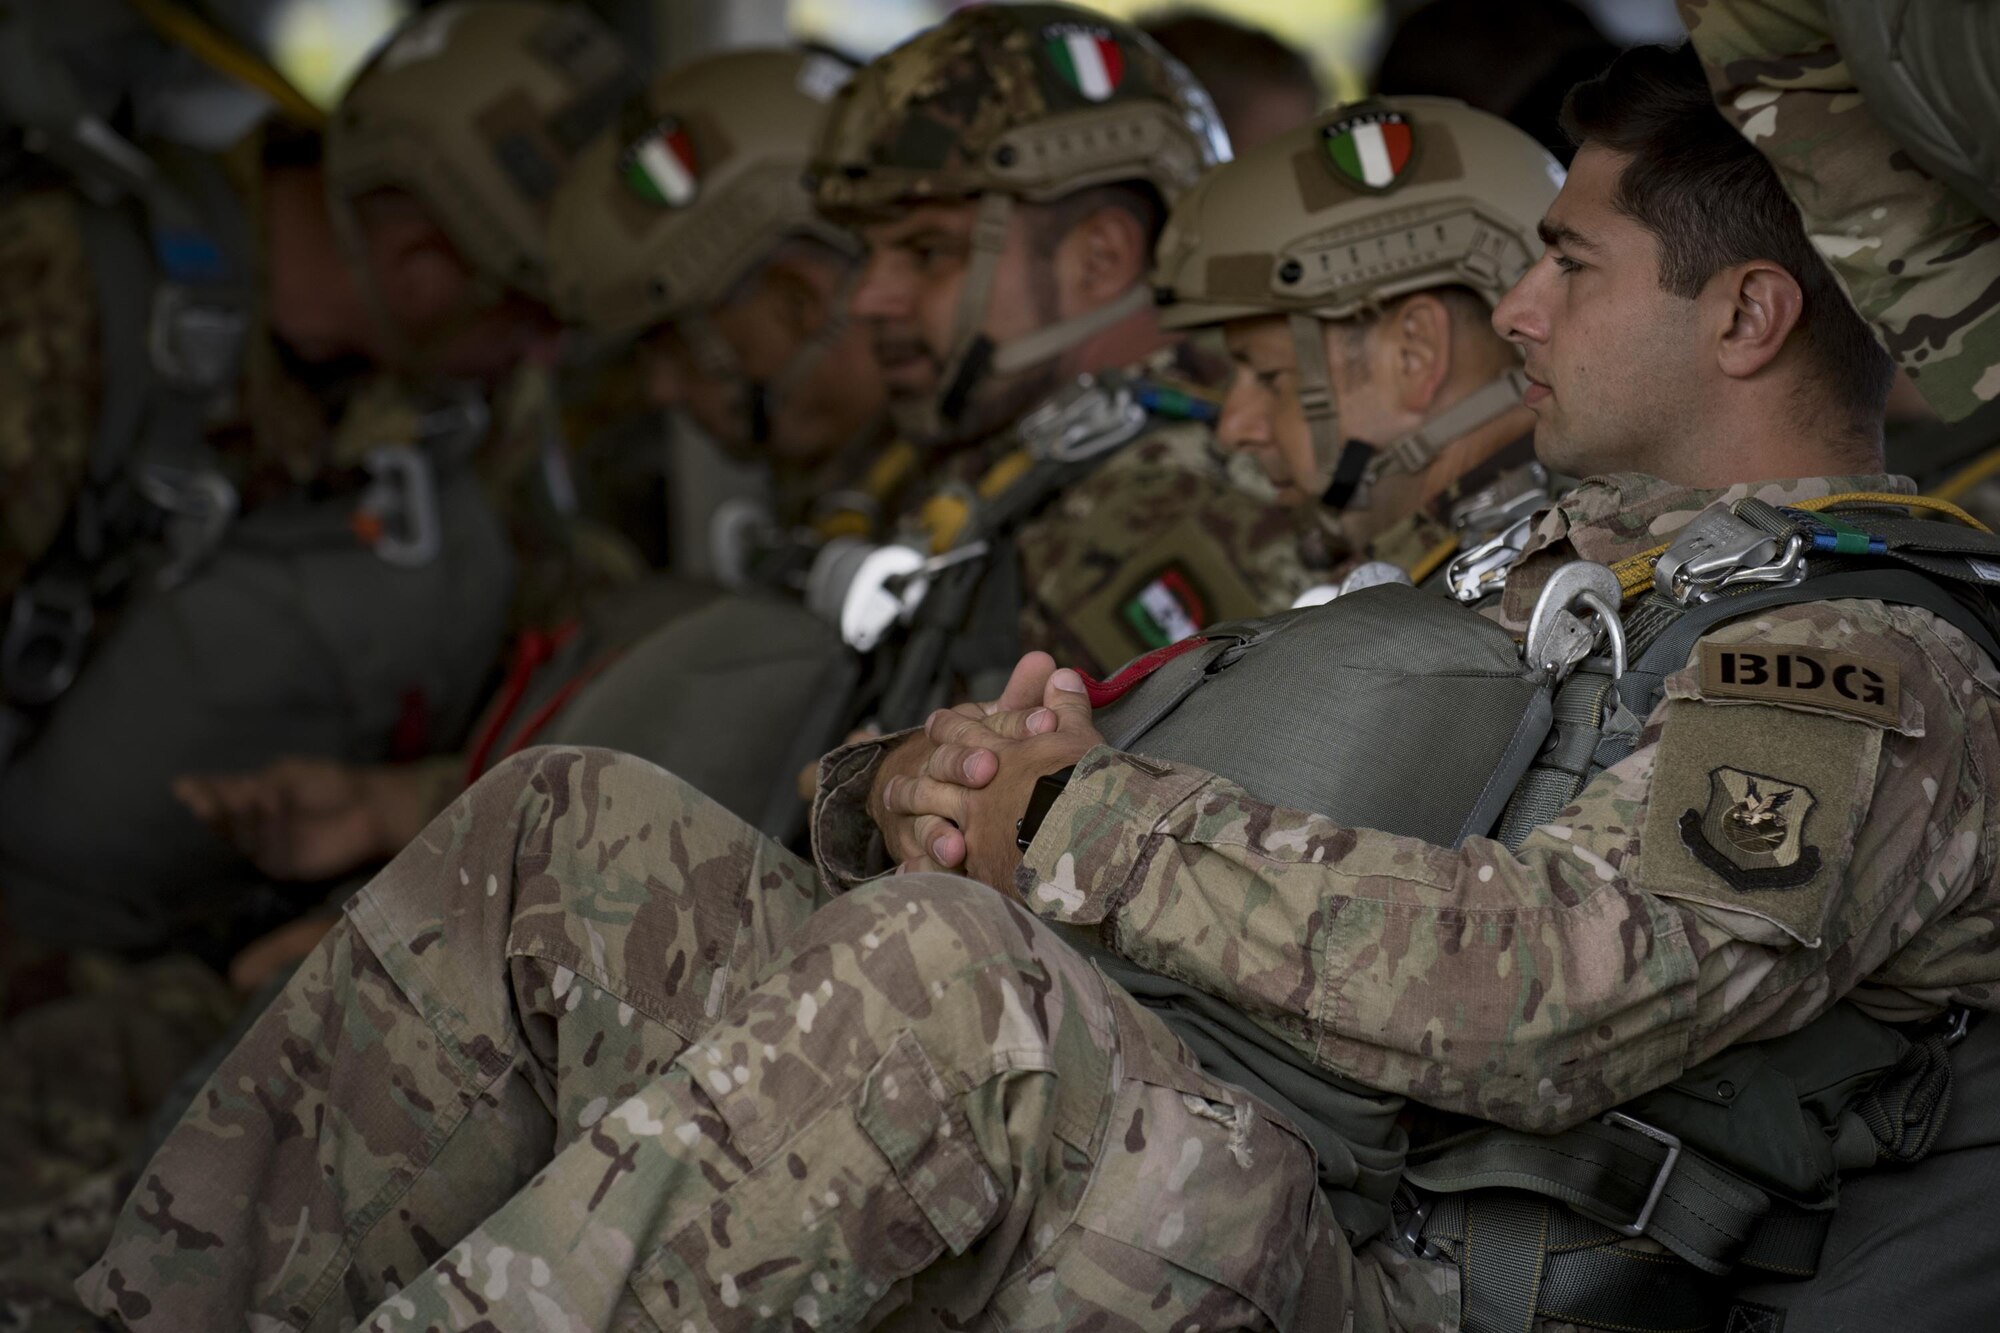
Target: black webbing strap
1618,1176
1587,1275
918,681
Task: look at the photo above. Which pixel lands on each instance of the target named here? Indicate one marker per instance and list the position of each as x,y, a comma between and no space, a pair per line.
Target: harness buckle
1409,1210
1482,570
195,341
1558,638
42,651
1719,550
1499,505
199,504
1093,415
1637,1226
399,509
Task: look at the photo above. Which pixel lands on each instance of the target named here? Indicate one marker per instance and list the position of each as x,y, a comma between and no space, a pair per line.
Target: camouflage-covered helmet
703,179
1001,104
1034,101
479,108
1341,217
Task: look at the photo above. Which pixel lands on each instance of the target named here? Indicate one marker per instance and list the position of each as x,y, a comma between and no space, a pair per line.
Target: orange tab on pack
1835,682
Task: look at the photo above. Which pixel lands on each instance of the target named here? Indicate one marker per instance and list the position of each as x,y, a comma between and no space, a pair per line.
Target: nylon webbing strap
1704,1213
1316,394
1415,451
1566,762
1506,1242
917,677
1589,1275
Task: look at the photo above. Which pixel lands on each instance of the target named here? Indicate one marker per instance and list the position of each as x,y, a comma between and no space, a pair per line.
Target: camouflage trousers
593,1054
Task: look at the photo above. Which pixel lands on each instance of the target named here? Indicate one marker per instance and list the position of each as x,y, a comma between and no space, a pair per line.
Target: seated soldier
735,290
590,1049
272,542
1373,394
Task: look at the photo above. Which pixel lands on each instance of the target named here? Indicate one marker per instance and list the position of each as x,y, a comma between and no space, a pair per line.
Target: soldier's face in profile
1263,417
1615,361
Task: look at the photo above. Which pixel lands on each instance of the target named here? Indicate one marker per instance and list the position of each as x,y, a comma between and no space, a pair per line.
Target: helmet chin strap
974,355
1352,467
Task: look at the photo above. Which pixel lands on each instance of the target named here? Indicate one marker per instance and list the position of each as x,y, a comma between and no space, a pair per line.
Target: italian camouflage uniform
1921,263
590,1047
1168,533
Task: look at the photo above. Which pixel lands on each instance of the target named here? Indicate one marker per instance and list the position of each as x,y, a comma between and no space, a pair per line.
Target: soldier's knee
956,948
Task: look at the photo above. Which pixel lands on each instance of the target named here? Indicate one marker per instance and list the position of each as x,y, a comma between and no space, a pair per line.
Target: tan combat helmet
1001,103
703,181
1340,218
479,108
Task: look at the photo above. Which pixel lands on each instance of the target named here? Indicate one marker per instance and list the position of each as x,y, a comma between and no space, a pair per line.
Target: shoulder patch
1170,588
1167,608
1864,687
1755,810
1753,831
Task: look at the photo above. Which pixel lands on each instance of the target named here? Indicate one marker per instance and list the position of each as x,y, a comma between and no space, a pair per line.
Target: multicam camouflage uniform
1921,263
590,1046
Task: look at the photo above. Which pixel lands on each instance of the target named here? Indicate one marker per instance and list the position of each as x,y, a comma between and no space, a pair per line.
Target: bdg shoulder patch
1804,677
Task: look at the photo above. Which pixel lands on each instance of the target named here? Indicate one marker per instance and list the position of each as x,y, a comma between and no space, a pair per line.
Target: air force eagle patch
1753,831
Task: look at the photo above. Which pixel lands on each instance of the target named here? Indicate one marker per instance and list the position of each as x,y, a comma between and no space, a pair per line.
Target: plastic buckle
1637,1226
401,502
42,650
1477,573
195,341
1409,1209
1558,638
1093,415
1956,1022
1719,550
200,504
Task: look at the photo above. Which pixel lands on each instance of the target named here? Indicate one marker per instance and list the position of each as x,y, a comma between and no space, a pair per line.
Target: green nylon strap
1506,1244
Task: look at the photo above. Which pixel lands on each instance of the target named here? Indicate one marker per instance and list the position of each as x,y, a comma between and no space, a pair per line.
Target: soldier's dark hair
1236,63
1515,58
1052,221
1711,200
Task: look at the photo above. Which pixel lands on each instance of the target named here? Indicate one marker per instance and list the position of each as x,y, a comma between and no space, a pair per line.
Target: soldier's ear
1754,308
1418,342
1109,251
798,298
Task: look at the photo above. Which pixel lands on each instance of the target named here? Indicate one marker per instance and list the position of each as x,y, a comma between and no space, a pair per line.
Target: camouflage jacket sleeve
50,374
1153,545
1920,262
1746,865
847,847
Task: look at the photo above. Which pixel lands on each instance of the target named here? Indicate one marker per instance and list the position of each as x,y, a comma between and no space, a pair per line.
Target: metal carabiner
1719,550
1482,570
1558,638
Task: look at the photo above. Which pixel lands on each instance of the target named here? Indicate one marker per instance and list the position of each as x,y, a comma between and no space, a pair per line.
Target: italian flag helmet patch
1088,59
1166,609
659,166
1370,149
